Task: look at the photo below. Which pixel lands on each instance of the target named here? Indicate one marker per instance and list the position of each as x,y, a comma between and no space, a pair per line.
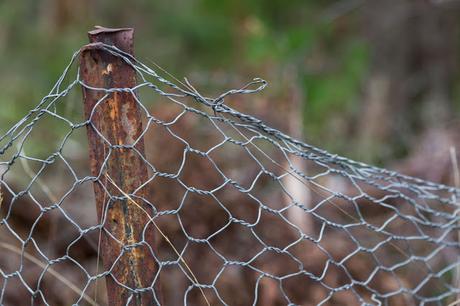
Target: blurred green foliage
243,38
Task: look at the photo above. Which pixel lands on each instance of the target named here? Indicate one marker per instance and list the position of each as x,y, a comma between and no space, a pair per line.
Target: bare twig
181,259
51,271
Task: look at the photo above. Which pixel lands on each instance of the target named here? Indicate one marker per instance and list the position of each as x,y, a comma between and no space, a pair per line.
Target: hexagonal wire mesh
235,212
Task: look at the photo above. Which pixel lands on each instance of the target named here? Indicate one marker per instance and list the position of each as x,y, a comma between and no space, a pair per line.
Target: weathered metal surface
118,118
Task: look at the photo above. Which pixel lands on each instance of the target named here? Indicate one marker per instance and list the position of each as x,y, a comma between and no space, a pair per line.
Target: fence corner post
127,246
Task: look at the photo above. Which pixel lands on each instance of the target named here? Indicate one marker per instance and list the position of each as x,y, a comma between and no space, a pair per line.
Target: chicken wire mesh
240,213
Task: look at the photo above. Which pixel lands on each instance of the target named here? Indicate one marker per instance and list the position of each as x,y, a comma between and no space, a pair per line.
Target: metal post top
99,30
122,38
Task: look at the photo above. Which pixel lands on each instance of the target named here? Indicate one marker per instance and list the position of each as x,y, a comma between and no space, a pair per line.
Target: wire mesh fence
229,211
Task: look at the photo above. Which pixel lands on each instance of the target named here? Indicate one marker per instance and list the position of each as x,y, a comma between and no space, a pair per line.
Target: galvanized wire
254,216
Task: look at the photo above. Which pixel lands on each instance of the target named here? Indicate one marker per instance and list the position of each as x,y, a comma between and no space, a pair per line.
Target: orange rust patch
113,110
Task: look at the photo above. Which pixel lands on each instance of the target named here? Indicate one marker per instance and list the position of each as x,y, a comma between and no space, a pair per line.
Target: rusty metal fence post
132,270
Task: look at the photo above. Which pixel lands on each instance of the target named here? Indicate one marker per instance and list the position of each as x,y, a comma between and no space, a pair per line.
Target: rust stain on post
118,118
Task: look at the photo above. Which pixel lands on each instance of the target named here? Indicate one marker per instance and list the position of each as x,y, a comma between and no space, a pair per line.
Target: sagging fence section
162,196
